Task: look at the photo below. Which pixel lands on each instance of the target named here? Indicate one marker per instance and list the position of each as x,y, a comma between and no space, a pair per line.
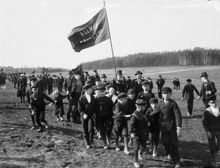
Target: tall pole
113,56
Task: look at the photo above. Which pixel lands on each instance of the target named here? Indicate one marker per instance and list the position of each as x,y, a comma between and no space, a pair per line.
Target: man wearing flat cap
188,93
208,88
86,107
137,83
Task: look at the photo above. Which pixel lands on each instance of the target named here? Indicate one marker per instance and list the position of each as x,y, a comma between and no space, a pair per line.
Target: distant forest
197,56
10,69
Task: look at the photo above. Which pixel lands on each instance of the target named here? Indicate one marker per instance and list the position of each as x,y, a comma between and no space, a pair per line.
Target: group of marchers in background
120,109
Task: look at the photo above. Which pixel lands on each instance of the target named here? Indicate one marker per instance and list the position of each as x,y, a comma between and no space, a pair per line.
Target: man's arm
177,114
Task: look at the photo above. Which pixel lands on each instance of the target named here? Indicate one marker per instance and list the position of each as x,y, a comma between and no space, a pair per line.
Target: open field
63,145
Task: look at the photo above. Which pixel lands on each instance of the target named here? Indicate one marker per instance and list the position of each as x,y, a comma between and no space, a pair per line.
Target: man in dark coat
74,90
188,93
86,107
49,84
207,89
22,84
160,83
60,81
2,77
119,83
137,83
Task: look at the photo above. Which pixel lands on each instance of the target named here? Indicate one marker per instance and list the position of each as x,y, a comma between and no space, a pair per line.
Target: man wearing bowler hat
188,93
208,88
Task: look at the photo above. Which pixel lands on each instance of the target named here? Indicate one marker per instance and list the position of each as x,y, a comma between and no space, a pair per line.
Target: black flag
91,33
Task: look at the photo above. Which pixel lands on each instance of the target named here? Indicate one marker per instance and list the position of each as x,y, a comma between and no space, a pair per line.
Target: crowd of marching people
122,109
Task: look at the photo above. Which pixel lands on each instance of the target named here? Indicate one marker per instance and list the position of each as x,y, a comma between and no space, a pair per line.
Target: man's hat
204,74
140,102
145,83
94,70
153,101
119,72
122,95
103,76
211,98
87,86
131,91
160,75
189,80
166,90
138,73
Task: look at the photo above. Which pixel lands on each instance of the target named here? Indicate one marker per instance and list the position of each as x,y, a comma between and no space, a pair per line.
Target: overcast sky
34,32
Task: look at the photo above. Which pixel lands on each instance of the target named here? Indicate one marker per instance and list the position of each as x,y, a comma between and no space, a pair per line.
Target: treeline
10,69
197,56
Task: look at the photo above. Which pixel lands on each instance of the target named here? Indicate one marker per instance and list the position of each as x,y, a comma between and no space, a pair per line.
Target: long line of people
119,109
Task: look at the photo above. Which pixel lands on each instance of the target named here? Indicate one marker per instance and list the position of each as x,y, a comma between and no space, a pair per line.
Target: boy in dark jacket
170,125
153,116
146,94
104,113
86,107
120,121
38,105
211,123
137,130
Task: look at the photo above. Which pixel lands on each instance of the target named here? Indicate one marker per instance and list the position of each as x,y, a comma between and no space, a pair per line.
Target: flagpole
113,55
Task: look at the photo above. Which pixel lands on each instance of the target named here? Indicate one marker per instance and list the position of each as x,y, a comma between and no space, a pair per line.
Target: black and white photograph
109,83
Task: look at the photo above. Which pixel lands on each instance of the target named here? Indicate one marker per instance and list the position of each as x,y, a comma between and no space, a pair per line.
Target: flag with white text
91,33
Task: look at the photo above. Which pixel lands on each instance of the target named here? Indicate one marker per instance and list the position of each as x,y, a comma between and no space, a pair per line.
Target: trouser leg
212,144
69,112
190,105
42,118
85,130
174,146
165,139
38,113
136,147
